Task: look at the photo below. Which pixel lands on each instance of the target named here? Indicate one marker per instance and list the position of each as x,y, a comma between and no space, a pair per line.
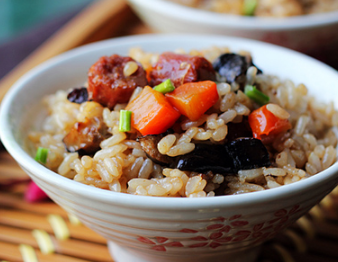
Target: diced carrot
265,123
194,99
151,112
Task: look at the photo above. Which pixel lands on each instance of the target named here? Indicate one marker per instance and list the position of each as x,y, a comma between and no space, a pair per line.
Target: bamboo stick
324,247
69,247
34,221
17,202
6,158
270,254
10,172
12,253
327,230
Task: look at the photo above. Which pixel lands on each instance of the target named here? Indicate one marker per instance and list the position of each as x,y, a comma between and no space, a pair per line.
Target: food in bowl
310,34
173,124
142,228
264,8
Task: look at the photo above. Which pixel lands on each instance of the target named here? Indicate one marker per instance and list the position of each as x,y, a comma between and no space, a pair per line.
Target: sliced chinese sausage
180,69
85,137
113,79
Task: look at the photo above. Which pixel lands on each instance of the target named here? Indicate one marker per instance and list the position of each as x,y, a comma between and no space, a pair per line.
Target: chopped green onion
249,7
256,95
125,120
41,155
165,87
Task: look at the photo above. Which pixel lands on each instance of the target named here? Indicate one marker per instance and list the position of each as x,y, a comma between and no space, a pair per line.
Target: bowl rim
135,201
203,17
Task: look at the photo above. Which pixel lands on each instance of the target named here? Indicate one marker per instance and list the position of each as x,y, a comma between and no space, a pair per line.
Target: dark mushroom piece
149,146
78,95
233,68
205,158
238,130
243,153
248,153
85,137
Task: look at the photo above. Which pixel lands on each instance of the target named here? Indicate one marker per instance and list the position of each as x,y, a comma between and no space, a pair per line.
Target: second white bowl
307,33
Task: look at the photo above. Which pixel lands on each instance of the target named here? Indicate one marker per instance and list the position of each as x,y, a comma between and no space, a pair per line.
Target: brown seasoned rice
122,166
269,8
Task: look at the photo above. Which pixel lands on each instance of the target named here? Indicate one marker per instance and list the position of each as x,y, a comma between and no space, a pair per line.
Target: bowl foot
121,254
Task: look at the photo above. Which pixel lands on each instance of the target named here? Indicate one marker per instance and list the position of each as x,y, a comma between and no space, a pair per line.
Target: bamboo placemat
313,238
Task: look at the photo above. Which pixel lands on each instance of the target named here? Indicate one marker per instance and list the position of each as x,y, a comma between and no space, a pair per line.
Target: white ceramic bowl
141,228
308,34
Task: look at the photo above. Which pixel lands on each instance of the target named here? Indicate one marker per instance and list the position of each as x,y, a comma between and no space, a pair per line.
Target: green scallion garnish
41,155
249,7
256,95
125,120
165,87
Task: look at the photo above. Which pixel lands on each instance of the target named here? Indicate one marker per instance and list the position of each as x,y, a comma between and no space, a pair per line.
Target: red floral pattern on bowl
226,231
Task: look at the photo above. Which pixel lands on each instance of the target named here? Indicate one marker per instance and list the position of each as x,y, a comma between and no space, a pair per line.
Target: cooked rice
122,166
272,8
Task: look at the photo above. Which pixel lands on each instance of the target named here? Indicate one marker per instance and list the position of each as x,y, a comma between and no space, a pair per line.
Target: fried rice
264,8
121,165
